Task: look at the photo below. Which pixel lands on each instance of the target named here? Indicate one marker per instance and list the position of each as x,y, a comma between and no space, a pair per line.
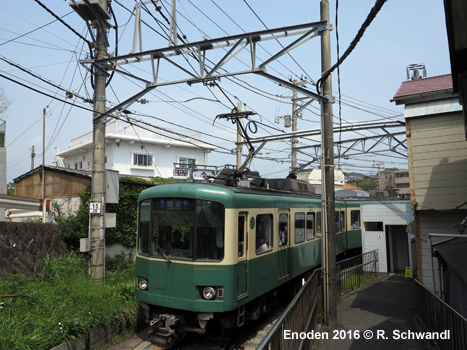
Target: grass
62,303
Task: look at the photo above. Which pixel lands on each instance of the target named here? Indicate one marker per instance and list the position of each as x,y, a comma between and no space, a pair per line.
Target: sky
33,43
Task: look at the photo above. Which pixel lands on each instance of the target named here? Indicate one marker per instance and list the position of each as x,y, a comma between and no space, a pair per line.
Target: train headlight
209,293
143,283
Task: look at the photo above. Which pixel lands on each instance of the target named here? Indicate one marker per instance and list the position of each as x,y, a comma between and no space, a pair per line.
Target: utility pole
33,154
327,178
97,209
294,128
379,173
44,112
239,137
294,119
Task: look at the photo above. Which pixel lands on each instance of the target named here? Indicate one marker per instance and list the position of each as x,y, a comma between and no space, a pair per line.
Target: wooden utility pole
327,178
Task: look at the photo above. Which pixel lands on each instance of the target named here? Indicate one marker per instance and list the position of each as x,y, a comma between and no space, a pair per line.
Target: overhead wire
371,16
288,53
64,23
38,27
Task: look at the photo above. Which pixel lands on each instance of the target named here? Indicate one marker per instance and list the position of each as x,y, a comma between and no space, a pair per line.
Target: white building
314,177
131,150
385,229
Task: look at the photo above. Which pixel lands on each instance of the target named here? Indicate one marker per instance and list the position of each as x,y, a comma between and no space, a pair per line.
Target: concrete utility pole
239,137
294,118
379,173
327,178
97,210
44,209
294,128
33,154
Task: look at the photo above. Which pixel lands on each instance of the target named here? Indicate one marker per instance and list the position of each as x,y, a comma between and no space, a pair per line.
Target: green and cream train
211,257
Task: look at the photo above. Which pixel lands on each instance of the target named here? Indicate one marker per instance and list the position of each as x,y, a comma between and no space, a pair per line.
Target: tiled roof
352,187
425,85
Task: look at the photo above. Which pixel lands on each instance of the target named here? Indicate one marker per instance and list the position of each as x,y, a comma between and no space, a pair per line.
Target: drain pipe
430,247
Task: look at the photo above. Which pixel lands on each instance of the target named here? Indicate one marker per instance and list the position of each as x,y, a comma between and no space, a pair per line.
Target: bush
119,262
62,304
74,226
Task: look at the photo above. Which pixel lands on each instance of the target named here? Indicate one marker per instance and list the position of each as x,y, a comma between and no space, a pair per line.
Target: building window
373,226
187,162
142,159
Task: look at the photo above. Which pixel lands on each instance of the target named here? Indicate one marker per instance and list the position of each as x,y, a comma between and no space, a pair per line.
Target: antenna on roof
413,71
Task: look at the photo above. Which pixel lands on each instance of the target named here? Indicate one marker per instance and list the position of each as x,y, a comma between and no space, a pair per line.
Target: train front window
181,229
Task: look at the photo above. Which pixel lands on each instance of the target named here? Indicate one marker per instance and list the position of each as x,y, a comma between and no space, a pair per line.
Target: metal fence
297,321
353,272
300,317
437,316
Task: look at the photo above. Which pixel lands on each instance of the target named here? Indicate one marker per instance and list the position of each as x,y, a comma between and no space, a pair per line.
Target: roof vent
413,71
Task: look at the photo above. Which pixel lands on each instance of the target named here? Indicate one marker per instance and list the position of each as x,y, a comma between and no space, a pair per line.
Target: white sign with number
94,208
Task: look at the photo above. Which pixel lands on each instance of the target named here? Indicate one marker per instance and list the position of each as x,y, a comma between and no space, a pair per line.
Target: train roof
241,197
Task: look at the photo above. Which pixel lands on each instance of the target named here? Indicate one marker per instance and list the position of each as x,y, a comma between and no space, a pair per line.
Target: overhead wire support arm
197,47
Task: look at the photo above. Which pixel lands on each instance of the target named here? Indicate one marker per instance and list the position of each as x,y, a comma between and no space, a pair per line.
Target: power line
288,53
11,63
371,16
43,93
32,31
63,22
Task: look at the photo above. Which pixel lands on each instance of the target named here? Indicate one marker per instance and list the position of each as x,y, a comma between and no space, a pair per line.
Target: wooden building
59,182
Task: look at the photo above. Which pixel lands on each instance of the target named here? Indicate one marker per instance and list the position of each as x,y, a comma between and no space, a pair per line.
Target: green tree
10,190
367,184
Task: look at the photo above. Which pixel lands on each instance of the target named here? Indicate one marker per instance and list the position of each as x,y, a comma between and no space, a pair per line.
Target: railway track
245,338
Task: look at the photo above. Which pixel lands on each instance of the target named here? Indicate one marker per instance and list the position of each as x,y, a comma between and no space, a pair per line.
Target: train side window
310,233
336,221
318,224
283,229
241,236
264,224
299,227
355,219
342,220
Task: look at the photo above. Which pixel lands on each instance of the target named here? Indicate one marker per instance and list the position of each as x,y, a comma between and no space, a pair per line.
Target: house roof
352,187
424,86
76,172
81,173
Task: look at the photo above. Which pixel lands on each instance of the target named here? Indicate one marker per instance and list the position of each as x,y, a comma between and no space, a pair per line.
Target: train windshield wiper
163,253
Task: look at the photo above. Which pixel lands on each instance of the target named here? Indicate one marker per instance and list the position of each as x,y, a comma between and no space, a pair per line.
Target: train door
284,244
242,266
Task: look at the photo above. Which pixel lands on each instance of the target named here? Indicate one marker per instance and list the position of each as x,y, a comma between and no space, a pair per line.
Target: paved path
383,311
